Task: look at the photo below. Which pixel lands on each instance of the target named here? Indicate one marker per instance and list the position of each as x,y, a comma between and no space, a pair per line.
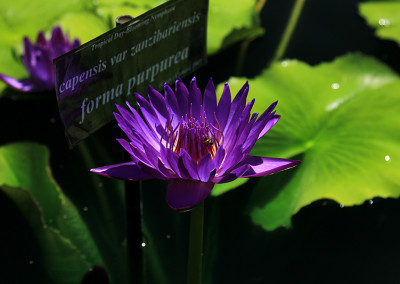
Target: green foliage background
340,117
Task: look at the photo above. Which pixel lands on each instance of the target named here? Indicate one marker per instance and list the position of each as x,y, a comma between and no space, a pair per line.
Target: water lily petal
237,108
269,125
126,171
126,145
261,166
224,107
219,157
158,102
41,40
151,171
189,164
210,101
58,42
232,175
194,99
185,194
150,115
24,85
172,105
182,96
205,167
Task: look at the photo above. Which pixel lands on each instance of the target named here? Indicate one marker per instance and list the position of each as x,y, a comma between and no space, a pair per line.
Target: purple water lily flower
38,61
193,142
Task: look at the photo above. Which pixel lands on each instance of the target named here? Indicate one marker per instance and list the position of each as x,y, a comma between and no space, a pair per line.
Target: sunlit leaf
230,21
83,25
67,247
224,187
342,119
384,16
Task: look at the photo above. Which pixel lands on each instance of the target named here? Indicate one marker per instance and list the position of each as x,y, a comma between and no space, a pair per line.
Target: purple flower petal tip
24,85
261,166
188,138
38,60
125,171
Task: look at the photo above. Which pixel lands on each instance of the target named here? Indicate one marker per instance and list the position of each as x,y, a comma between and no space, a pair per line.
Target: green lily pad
225,26
230,21
224,187
110,10
384,16
67,248
342,119
90,26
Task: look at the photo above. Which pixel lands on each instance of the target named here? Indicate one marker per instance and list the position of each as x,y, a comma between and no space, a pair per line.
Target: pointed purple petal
126,145
194,99
219,157
244,133
24,85
236,111
44,68
183,170
185,194
232,175
173,159
210,101
224,107
159,104
164,170
150,115
231,160
269,125
58,42
41,40
263,123
126,171
261,166
239,101
155,173
182,95
205,168
75,44
189,164
172,103
137,123
28,58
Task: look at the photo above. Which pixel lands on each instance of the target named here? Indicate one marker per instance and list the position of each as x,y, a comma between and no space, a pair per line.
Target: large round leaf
67,248
230,21
342,119
384,16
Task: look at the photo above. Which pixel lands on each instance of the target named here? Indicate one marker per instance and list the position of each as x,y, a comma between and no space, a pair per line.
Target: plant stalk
294,17
196,245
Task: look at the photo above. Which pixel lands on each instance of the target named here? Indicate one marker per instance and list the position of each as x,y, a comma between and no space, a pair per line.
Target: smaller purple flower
38,60
193,142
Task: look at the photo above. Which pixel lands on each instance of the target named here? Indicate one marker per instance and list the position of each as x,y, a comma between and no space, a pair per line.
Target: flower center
198,138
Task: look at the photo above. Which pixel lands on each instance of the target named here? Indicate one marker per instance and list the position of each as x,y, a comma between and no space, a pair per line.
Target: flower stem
196,245
294,17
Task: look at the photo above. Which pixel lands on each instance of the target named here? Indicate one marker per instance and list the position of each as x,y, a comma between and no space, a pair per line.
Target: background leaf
384,16
67,249
88,19
230,21
342,118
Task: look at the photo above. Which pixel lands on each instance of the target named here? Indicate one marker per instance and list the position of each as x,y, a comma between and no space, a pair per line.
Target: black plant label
152,49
